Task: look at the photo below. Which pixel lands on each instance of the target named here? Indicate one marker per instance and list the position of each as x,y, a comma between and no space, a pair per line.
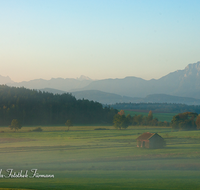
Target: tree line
32,107
121,121
158,107
181,121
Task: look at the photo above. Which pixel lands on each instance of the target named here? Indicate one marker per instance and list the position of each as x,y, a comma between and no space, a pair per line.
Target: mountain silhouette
185,83
5,80
181,83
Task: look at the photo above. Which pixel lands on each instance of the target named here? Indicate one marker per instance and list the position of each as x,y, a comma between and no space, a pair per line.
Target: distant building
150,140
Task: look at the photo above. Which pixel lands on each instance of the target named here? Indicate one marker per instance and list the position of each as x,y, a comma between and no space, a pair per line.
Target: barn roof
145,136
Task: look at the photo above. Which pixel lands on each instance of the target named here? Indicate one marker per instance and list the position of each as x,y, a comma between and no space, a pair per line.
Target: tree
125,122
129,118
15,124
120,121
69,123
150,116
138,119
198,121
121,112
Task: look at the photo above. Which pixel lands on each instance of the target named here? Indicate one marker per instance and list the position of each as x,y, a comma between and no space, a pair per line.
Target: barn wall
143,143
138,143
156,141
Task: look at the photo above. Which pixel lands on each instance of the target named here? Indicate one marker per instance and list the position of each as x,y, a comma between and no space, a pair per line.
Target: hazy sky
99,39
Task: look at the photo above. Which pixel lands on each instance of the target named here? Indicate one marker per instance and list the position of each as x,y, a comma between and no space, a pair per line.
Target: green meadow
84,158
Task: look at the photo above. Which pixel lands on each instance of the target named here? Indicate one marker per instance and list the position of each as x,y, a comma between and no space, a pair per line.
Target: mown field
84,158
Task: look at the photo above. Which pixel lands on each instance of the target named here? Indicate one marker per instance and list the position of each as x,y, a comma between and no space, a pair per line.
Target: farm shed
150,140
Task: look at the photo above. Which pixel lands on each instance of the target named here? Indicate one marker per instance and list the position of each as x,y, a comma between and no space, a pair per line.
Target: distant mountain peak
5,80
192,70
82,77
193,66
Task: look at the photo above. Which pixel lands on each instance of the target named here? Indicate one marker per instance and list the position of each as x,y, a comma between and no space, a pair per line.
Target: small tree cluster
185,121
122,121
147,120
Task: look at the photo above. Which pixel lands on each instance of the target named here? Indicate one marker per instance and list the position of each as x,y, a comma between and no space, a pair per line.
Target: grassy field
160,116
84,158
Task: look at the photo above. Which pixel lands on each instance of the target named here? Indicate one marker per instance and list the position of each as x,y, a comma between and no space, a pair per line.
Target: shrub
100,129
38,129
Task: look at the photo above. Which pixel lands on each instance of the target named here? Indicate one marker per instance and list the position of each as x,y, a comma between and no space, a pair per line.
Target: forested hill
31,107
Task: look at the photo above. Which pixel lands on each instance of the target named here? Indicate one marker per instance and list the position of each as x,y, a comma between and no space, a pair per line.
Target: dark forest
32,107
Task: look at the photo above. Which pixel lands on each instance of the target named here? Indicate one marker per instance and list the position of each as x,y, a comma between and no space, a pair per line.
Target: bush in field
100,128
38,129
15,124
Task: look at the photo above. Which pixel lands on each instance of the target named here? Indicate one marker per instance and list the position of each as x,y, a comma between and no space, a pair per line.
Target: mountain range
185,83
178,87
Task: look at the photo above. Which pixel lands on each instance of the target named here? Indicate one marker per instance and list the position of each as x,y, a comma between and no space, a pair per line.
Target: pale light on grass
101,159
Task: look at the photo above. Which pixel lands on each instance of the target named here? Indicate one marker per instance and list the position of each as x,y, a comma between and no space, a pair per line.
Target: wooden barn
150,140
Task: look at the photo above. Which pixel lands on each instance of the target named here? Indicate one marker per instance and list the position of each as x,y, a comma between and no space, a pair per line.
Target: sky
99,39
